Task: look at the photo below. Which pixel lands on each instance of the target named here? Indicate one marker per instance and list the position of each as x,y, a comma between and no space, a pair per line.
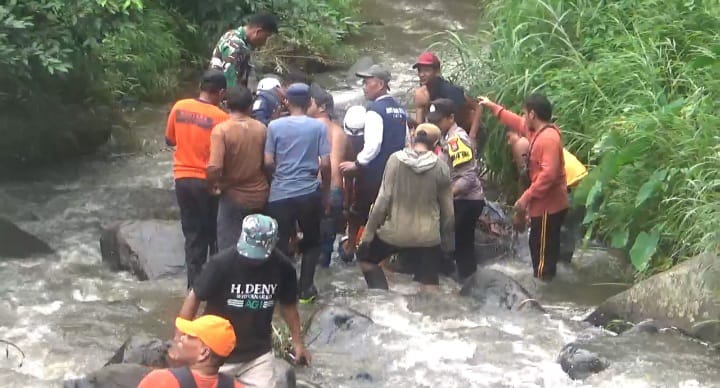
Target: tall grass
635,86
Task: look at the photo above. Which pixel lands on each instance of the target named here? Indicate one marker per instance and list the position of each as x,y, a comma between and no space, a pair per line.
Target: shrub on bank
636,89
79,55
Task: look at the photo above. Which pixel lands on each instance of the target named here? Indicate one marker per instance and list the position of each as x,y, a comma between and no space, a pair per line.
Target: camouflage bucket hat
258,237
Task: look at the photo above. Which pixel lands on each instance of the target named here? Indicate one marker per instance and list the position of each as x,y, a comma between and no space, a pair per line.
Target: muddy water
69,314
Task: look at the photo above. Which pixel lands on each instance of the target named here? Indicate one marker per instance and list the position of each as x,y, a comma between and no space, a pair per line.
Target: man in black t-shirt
433,86
242,284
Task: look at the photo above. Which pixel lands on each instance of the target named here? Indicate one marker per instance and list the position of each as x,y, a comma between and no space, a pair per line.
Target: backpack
186,379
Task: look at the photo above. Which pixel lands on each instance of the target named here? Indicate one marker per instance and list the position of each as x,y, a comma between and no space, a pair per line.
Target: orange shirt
188,127
548,189
163,378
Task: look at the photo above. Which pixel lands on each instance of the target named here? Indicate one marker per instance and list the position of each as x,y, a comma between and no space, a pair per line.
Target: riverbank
635,89
68,68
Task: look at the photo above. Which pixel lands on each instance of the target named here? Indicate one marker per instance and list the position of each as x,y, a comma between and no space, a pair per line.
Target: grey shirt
296,143
458,151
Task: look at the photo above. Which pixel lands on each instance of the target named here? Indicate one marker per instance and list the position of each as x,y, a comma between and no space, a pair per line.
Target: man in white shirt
385,132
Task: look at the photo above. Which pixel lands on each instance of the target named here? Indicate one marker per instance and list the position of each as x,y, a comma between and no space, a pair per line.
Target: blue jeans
328,226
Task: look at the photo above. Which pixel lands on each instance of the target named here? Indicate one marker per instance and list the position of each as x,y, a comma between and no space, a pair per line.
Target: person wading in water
297,148
413,212
189,126
545,200
322,107
235,168
385,132
458,150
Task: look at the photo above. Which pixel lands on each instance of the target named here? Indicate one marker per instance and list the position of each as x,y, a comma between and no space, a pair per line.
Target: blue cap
299,90
258,237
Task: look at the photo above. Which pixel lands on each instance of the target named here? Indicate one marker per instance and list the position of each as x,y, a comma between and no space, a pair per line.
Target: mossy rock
686,296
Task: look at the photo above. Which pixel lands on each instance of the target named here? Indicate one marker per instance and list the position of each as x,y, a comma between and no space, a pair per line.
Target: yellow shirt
574,169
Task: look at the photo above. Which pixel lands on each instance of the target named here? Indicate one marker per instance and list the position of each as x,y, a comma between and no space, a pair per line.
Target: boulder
149,249
580,363
363,63
599,265
283,374
331,322
115,376
495,289
685,297
144,351
17,243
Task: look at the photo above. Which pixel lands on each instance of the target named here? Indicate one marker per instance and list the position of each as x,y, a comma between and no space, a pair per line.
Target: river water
69,313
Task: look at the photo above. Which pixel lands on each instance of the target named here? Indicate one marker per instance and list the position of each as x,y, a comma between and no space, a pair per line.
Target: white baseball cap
354,122
268,83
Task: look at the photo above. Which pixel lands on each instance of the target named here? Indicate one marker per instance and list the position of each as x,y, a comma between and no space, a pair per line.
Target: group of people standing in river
252,169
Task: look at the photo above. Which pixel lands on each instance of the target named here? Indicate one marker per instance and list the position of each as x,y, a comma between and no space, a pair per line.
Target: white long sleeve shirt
373,136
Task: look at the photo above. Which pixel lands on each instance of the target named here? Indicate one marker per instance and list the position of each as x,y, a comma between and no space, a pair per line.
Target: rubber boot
375,278
307,275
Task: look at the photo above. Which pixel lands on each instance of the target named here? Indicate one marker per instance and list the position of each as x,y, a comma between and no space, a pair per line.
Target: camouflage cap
258,237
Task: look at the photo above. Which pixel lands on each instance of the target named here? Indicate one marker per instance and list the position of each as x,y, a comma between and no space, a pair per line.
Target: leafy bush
308,29
635,85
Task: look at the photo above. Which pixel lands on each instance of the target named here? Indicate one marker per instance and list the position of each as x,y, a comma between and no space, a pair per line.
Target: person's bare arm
291,316
476,122
338,143
190,307
422,100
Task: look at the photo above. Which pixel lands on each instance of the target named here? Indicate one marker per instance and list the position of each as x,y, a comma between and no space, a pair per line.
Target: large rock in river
331,323
17,243
149,249
686,296
115,376
495,289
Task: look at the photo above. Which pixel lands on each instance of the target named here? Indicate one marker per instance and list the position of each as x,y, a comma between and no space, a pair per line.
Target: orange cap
215,332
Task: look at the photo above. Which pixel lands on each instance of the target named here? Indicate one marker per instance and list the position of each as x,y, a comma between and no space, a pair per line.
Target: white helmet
268,83
354,122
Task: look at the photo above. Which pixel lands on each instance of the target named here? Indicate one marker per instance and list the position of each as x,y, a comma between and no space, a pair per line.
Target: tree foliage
62,59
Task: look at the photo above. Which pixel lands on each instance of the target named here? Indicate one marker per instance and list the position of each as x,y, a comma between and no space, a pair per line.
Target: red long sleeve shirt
548,190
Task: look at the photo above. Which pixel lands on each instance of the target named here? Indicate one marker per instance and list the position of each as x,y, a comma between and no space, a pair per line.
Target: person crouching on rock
243,285
203,345
413,211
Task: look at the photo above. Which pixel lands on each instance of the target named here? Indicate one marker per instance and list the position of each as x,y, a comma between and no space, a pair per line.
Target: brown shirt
236,152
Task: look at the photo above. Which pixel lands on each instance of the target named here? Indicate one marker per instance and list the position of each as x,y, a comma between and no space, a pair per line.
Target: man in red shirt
188,129
546,199
203,345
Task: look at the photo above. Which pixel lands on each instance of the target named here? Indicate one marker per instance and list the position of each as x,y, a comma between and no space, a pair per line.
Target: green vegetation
61,62
636,89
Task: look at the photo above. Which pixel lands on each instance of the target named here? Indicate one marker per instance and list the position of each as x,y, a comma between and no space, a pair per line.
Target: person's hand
300,355
347,167
519,222
484,100
214,189
521,205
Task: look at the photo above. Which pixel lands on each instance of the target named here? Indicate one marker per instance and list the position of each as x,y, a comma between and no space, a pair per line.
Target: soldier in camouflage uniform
234,49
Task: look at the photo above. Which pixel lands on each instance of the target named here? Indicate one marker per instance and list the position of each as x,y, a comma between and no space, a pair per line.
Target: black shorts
427,259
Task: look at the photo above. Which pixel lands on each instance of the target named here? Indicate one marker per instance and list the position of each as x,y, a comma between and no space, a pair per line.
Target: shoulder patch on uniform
458,151
257,105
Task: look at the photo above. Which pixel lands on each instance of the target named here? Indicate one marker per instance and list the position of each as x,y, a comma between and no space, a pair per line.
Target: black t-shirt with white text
245,294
